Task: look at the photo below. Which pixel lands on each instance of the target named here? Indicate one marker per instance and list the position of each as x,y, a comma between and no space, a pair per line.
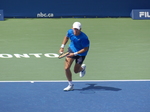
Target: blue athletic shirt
78,42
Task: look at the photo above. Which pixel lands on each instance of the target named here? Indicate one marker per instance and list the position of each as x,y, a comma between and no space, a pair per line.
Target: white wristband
76,53
62,46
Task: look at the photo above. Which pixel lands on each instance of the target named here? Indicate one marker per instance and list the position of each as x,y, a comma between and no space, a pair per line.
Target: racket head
62,55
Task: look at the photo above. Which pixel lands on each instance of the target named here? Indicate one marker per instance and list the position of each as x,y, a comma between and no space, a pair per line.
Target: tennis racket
62,55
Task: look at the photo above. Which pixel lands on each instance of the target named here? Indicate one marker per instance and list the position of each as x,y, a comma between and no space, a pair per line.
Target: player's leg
68,63
79,67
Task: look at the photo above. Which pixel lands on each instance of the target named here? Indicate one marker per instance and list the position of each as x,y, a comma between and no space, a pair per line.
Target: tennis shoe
82,73
69,88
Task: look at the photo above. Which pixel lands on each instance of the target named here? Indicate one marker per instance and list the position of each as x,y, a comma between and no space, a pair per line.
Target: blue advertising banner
71,8
1,15
140,14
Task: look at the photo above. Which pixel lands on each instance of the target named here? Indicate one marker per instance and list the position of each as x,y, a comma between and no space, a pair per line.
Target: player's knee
76,71
67,68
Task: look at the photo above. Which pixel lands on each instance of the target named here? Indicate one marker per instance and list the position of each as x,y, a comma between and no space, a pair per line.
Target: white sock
70,83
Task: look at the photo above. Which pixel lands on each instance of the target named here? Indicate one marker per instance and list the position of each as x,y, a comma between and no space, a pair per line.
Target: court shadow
93,87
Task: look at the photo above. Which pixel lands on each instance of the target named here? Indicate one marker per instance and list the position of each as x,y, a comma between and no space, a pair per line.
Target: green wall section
120,48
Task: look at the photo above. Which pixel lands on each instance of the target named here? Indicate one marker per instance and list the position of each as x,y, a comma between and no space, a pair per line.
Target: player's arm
82,50
65,40
79,52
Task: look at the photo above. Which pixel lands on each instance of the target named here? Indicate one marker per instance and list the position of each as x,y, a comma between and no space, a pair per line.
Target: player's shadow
93,87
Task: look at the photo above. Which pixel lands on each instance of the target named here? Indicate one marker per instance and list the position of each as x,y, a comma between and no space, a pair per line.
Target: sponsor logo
144,14
46,15
24,55
140,14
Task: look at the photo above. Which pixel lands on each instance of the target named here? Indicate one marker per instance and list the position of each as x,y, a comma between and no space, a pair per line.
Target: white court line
80,80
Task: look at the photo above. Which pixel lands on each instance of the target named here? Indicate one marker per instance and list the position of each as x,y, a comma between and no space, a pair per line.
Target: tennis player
78,48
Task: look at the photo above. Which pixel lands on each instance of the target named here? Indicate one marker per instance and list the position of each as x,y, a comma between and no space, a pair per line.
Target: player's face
76,31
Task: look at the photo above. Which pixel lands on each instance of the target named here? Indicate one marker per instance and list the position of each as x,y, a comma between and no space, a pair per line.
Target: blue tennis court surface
92,96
